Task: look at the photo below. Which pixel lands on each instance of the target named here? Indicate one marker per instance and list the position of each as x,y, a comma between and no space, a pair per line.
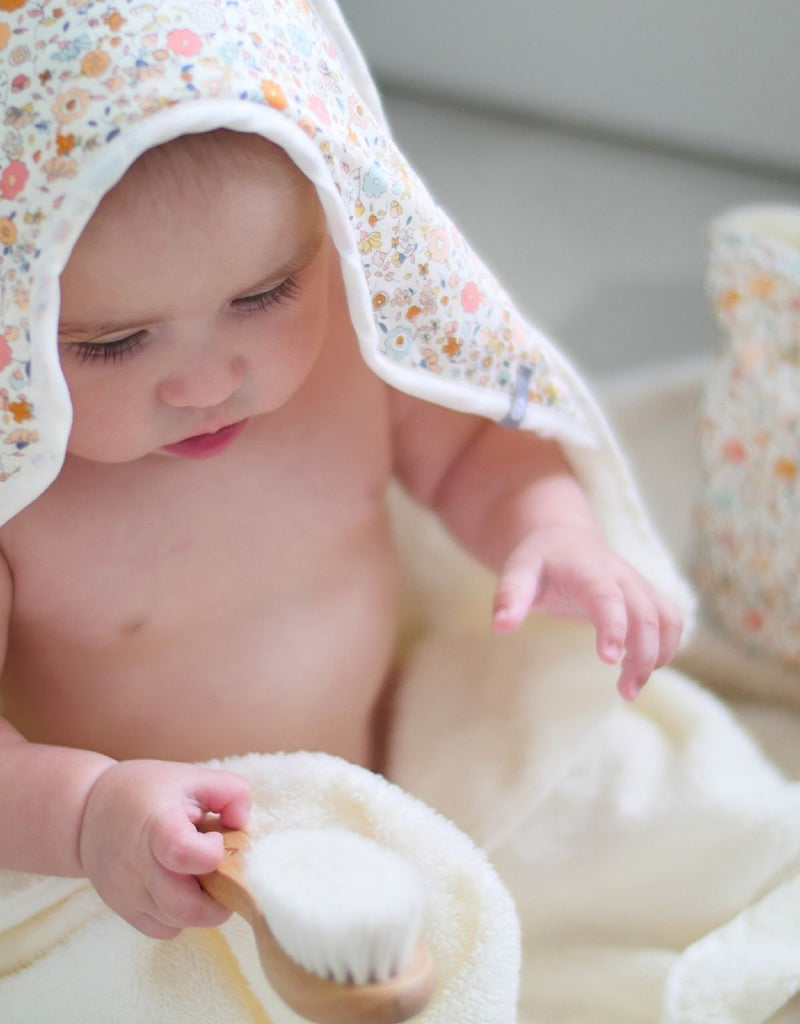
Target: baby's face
187,313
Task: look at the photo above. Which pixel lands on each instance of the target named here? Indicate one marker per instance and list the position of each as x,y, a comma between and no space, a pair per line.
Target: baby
212,572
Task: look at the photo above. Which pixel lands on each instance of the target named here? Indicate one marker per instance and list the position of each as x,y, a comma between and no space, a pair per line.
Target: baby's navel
132,626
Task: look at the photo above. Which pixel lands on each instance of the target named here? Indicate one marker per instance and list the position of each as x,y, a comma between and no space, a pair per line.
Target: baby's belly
291,672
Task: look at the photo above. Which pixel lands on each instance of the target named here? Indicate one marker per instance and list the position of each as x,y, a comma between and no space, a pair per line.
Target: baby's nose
207,381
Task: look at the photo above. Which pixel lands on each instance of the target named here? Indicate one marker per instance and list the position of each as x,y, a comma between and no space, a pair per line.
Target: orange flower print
379,300
184,42
308,126
13,179
452,347
65,144
5,35
11,5
785,469
274,95
20,410
729,298
761,286
95,63
8,232
412,313
114,21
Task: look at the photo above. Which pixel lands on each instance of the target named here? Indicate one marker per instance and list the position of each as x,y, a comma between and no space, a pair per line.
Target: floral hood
87,86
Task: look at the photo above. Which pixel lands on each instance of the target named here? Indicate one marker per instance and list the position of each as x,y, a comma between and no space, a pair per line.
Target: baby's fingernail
630,690
613,651
502,619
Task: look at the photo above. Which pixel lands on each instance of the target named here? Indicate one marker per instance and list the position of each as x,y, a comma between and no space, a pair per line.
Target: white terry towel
67,959
656,875
652,849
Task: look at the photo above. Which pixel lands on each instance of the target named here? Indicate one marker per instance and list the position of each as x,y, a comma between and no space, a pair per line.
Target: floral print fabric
79,76
747,558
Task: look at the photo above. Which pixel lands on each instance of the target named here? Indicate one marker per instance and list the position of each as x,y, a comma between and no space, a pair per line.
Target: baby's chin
112,458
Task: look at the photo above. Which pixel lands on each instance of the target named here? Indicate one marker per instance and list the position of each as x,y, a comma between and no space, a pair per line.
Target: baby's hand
139,846
570,572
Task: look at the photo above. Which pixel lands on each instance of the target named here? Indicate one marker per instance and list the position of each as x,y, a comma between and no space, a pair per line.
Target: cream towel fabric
66,959
653,850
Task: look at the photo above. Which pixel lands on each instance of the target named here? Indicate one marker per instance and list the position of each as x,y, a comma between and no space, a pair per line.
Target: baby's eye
283,292
108,351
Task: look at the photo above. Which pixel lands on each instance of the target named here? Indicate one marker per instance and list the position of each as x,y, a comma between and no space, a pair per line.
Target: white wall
723,75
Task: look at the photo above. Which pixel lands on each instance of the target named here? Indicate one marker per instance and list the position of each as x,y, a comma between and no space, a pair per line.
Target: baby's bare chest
180,547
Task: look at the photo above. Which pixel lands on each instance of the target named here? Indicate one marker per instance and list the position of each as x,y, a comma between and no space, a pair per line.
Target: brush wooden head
320,1000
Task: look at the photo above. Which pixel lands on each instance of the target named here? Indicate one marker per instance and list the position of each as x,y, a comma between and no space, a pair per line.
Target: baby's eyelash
108,351
283,292
115,351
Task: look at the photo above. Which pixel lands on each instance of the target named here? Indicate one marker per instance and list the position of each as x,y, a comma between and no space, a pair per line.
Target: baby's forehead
208,160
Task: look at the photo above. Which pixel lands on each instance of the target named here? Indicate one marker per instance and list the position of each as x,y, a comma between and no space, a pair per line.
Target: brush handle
320,1000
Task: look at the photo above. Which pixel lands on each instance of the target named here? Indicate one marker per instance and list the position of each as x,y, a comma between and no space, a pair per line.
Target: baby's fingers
178,847
643,645
179,902
606,610
223,793
671,630
518,588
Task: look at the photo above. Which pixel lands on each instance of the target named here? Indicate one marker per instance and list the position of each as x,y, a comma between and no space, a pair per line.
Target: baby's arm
127,826
512,500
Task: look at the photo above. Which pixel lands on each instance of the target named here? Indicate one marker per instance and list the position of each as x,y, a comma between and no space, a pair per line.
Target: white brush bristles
339,904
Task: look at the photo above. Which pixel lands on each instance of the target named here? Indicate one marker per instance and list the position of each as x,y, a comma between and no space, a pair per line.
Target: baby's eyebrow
86,329
291,266
78,330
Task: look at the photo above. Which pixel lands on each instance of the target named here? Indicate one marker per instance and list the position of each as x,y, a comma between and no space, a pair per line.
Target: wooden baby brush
336,919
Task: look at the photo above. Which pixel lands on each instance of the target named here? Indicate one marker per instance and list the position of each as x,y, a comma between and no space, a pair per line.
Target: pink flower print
430,360
5,352
184,42
733,450
438,245
59,167
20,82
753,620
13,179
319,110
357,111
70,105
470,297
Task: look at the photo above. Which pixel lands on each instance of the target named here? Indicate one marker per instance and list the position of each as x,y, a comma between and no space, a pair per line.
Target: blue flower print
73,49
398,342
374,184
300,40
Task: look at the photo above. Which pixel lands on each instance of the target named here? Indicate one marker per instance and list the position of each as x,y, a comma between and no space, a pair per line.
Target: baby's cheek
109,424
